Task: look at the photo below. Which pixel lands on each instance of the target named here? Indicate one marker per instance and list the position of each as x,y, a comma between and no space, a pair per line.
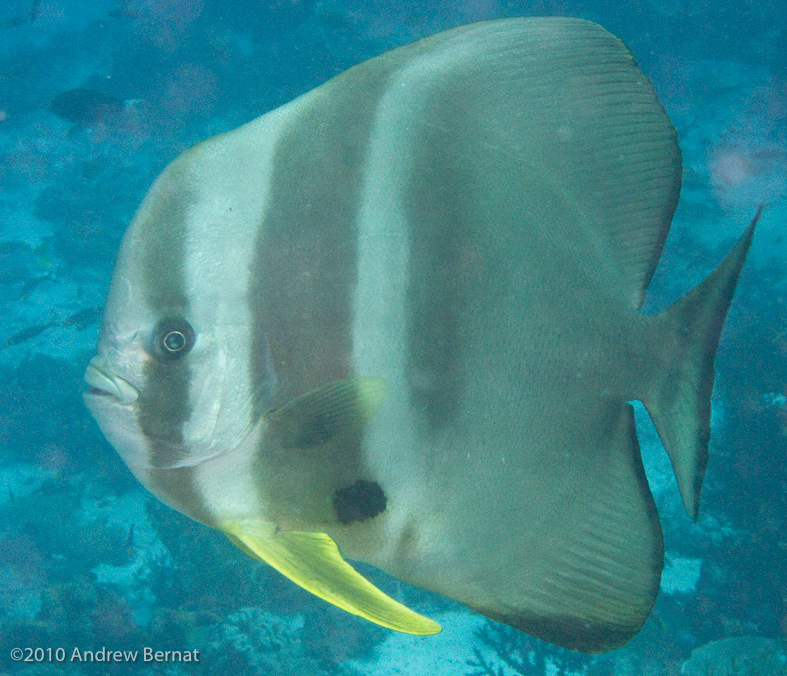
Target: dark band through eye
173,338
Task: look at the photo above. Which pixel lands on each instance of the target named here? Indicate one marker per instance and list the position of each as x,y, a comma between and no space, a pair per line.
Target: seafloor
89,561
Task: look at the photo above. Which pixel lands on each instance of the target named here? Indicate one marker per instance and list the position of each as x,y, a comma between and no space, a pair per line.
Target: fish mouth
114,387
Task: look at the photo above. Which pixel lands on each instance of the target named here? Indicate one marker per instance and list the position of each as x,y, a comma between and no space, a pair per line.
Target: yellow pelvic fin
313,561
327,413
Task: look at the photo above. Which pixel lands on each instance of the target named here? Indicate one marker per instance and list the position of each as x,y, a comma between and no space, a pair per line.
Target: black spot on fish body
358,502
85,107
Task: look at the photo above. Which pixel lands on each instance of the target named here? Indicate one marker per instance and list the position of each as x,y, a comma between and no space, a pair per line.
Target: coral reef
183,580
739,656
330,635
518,653
48,522
255,642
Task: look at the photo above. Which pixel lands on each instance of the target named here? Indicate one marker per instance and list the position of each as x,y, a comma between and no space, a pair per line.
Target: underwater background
97,96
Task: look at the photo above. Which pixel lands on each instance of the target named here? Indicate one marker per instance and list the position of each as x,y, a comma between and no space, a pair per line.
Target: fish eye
174,341
173,338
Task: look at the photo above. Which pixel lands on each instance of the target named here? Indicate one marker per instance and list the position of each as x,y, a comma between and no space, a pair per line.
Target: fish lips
110,387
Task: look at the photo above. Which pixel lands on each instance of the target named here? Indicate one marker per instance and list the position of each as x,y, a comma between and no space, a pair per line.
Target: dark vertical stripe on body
304,272
163,405
442,240
303,281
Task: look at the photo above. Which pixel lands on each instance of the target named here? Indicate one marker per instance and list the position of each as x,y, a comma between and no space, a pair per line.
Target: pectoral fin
313,561
327,413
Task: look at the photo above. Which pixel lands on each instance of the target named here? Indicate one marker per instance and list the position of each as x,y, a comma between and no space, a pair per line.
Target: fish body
397,320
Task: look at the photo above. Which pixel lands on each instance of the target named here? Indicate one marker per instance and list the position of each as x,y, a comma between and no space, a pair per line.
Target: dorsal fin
612,145
568,99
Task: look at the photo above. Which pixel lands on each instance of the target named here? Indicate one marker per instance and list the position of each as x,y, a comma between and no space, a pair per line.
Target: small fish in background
399,320
129,548
12,246
125,10
79,320
82,319
43,254
34,283
28,334
85,107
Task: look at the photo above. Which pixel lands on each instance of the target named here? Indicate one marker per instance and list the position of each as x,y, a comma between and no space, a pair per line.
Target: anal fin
594,577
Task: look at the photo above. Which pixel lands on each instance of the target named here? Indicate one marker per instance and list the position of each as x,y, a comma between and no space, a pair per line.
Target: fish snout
105,385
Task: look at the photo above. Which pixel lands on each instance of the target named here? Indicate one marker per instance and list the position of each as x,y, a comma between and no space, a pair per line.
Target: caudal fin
679,402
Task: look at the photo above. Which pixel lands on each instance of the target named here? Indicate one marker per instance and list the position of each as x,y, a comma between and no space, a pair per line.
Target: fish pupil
173,338
175,341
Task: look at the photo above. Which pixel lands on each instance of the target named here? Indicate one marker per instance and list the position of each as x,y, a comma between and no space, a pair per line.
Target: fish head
169,385
158,385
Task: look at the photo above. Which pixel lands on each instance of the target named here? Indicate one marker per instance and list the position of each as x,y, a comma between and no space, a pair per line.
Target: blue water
89,561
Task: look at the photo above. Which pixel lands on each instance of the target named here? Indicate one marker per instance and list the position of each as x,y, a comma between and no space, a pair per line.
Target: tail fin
679,403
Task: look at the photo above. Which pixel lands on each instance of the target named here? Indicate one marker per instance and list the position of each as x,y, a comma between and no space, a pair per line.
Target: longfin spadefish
313,561
327,413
